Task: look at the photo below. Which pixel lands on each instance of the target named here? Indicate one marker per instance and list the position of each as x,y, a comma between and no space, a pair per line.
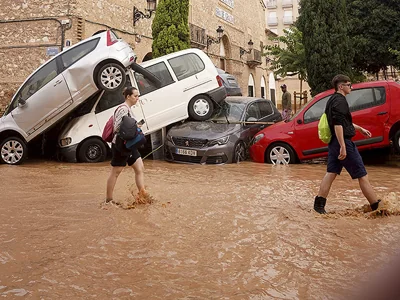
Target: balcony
271,4
287,3
288,20
254,58
272,21
197,36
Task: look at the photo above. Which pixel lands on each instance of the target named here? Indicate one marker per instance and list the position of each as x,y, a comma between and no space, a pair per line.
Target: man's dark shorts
352,163
119,159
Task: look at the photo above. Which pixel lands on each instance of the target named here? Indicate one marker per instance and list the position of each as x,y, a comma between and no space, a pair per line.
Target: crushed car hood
204,130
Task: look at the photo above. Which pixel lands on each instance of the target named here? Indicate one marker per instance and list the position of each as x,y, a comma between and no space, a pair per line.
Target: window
366,98
111,99
250,89
265,108
287,17
315,112
46,74
186,65
145,86
161,72
253,112
73,55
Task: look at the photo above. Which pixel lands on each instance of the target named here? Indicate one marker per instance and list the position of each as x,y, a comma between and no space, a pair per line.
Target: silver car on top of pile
59,86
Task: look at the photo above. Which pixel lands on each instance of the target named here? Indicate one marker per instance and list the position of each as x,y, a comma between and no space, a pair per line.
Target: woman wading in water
121,155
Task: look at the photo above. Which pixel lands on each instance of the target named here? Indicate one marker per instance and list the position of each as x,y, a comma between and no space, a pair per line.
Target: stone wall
24,45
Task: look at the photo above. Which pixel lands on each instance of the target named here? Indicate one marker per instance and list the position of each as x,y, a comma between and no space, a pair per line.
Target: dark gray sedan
225,137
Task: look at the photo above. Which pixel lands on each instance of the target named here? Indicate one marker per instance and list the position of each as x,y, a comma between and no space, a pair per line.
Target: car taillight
111,39
219,79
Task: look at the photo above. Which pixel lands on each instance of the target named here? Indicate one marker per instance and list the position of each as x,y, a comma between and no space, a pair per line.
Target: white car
188,86
58,86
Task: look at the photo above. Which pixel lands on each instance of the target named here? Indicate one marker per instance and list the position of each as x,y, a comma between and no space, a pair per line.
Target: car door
268,114
77,66
45,95
108,103
370,110
161,106
306,128
193,78
252,114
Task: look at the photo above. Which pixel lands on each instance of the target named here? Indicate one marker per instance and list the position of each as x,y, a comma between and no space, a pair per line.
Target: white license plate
186,152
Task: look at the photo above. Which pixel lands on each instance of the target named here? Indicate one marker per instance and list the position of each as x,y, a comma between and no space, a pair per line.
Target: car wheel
201,108
13,151
239,153
92,150
111,77
280,153
396,141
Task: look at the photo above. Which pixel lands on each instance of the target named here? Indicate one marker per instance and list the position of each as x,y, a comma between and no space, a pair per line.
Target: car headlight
257,138
221,141
65,141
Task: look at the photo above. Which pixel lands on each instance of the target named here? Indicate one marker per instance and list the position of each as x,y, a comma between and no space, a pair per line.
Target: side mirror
299,121
21,102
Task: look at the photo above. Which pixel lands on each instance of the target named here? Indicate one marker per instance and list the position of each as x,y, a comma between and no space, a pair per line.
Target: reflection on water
241,231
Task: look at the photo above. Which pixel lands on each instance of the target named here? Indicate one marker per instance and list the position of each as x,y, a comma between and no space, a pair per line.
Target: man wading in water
342,152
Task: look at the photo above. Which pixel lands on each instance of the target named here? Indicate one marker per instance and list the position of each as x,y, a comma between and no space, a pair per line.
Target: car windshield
296,114
231,111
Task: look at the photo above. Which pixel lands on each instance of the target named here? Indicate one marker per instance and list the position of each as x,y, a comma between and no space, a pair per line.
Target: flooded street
242,231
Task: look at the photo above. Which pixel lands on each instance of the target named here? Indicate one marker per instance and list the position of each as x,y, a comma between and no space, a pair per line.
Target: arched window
250,86
263,90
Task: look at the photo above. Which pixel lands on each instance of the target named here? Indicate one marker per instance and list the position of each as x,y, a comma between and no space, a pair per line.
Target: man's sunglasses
347,84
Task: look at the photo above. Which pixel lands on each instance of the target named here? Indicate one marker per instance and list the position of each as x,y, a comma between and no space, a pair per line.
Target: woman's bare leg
138,167
112,180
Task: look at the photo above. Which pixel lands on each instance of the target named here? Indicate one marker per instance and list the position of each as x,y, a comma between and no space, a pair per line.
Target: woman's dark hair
339,79
128,91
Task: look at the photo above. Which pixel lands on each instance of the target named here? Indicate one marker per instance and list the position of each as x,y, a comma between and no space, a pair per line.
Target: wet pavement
240,231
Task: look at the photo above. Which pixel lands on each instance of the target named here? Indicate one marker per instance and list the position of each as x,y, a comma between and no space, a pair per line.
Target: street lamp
137,14
212,40
243,51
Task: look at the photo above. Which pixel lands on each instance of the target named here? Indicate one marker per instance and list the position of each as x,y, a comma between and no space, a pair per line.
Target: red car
374,106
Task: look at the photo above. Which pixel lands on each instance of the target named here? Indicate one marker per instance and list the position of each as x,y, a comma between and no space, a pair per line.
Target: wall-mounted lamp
243,51
137,14
211,40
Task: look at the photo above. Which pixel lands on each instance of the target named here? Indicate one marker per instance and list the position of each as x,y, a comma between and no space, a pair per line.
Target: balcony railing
271,4
288,20
254,58
272,21
287,3
198,35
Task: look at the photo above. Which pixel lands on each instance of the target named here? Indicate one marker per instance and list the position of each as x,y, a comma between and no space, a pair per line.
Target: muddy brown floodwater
240,231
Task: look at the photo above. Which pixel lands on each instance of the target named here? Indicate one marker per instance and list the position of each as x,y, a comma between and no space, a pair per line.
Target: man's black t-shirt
338,112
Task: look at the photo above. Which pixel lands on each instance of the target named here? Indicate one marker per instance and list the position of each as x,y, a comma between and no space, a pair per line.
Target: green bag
324,132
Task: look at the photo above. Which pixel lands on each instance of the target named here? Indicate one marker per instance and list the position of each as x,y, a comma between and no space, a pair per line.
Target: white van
190,87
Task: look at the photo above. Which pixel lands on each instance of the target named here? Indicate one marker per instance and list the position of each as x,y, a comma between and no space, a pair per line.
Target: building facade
280,15
34,30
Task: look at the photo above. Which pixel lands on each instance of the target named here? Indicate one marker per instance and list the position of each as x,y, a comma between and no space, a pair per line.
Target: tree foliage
374,29
325,37
170,27
397,55
289,57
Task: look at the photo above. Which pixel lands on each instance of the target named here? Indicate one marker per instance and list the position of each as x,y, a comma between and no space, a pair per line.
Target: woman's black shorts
119,159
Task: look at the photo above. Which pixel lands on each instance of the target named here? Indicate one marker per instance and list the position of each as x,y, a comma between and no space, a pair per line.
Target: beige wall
236,35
